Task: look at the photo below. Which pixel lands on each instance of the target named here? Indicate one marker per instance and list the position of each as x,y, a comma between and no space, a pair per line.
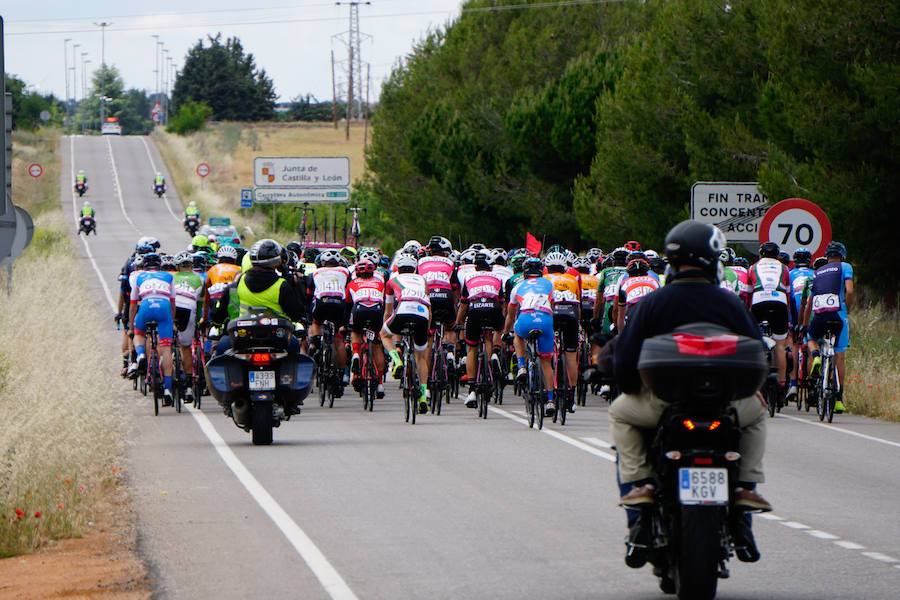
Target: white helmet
468,257
406,260
651,254
227,252
412,246
555,259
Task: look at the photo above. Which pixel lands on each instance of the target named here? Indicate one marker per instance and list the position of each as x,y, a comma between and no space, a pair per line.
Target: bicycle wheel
820,400
540,410
770,397
153,366
831,397
406,403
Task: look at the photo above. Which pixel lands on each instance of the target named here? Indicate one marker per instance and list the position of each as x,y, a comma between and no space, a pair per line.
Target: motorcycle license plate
703,486
262,380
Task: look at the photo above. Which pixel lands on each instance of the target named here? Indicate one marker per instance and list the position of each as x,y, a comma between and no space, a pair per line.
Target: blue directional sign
246,198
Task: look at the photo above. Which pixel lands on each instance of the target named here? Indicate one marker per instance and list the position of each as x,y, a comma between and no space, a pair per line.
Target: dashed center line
822,535
880,557
849,545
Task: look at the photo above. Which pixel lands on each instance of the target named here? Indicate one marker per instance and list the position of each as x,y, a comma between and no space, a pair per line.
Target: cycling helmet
201,260
226,253
516,261
727,256
407,263
657,264
213,238
310,254
144,249
740,261
200,242
138,262
167,262
556,248
619,257
594,254
152,261
468,257
802,256
454,256
384,262
820,262
183,258
784,258
691,243
632,246
570,257
582,264
533,267
294,247
769,250
370,254
484,259
440,244
477,247
500,256
555,259
364,267
150,241
349,253
836,249
637,264
651,254
412,246
266,253
328,258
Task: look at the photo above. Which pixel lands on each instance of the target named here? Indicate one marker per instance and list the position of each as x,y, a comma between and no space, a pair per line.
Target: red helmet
365,267
633,246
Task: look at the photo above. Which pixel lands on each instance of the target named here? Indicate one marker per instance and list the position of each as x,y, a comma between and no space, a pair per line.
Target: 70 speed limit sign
796,223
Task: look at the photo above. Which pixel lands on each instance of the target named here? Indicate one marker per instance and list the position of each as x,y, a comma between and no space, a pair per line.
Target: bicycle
198,363
584,363
828,384
409,376
327,372
770,389
484,374
177,372
563,388
367,372
152,379
440,374
501,374
535,390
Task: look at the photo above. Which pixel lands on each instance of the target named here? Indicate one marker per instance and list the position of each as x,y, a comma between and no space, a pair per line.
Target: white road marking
118,186
153,166
794,525
822,535
560,436
87,247
770,517
842,430
330,579
880,557
597,442
849,545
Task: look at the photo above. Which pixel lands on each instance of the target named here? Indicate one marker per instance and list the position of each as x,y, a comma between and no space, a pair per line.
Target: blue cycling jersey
799,277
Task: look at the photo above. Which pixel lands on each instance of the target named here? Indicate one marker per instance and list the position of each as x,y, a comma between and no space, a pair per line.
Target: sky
291,39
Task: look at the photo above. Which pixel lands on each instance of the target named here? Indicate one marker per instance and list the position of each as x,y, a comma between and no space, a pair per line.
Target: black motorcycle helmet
769,250
266,253
695,244
802,257
835,249
295,247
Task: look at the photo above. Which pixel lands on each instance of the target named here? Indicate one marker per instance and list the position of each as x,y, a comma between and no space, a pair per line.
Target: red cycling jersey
366,291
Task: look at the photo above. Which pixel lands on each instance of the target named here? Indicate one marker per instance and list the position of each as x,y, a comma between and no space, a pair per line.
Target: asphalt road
351,504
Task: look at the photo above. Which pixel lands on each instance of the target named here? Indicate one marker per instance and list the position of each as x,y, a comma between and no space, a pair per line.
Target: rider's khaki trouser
630,413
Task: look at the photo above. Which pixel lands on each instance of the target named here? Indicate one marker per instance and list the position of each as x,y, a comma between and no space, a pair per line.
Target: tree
224,77
129,107
27,106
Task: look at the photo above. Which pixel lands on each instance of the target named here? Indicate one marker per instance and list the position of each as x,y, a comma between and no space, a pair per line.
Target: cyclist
609,285
741,267
365,298
155,291
480,307
188,305
531,308
566,317
801,278
129,271
590,285
407,305
219,277
636,284
832,296
730,280
328,289
657,266
771,281
467,265
439,273
691,295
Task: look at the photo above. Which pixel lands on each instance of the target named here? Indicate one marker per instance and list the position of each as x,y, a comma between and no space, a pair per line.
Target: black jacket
258,280
683,301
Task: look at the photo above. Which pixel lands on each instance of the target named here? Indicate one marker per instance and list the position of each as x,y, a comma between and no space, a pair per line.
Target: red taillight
688,424
703,461
714,425
697,345
260,359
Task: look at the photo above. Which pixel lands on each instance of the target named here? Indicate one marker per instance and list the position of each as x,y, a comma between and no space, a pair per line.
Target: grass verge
60,436
873,363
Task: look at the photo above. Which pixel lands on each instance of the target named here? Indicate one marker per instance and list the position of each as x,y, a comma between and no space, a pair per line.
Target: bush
191,117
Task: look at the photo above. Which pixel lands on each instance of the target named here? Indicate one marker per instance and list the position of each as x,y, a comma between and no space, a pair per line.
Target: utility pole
102,25
333,94
366,108
84,61
165,84
353,38
74,75
156,42
66,62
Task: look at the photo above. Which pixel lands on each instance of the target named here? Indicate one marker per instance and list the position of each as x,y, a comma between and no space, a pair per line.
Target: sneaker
495,362
816,366
189,395
522,375
167,397
132,370
471,400
396,366
750,500
345,380
423,405
550,409
791,392
839,407
639,495
604,390
379,391
354,364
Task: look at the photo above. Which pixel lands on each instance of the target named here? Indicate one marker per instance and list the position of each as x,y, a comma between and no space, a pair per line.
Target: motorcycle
80,188
258,382
698,370
87,225
159,189
191,224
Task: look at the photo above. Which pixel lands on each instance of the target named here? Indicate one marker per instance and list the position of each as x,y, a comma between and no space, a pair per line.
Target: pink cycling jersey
437,272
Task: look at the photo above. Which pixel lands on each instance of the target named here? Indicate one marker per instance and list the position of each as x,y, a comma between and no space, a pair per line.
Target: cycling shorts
776,313
567,326
330,309
185,323
479,318
442,308
528,321
419,325
367,317
154,309
839,324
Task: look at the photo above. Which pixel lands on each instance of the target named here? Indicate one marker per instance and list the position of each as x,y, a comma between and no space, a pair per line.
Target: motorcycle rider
160,181
88,212
80,178
691,294
191,211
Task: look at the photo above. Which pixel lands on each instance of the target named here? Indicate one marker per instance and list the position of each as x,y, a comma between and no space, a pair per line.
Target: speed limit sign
203,169
35,170
796,223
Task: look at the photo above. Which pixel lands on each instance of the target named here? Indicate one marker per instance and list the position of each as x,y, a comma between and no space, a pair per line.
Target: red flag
532,244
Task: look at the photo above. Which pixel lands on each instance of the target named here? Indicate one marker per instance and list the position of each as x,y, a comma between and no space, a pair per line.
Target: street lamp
66,65
84,63
74,74
103,101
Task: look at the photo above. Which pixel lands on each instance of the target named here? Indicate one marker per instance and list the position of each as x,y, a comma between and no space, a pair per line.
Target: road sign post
737,208
246,198
203,170
35,170
796,223
301,180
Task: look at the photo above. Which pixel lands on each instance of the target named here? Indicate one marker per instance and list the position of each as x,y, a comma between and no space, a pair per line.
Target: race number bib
824,303
531,301
764,296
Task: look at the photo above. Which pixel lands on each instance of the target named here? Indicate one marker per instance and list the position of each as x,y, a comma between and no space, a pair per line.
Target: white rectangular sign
737,208
302,172
294,195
